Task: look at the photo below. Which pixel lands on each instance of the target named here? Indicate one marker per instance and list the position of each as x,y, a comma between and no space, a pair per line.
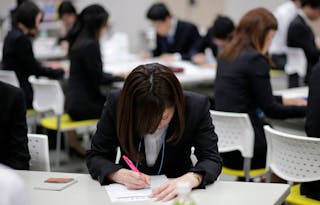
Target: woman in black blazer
17,49
84,99
152,101
311,189
14,150
243,82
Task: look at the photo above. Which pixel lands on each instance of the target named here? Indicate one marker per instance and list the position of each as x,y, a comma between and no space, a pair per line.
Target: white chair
296,62
293,158
235,132
39,151
9,77
48,95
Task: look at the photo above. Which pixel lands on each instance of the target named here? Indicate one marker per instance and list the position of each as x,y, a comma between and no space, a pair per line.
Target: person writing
243,83
155,124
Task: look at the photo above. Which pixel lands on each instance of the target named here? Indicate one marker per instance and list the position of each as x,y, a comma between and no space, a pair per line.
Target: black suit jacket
243,86
311,189
313,109
203,43
300,35
18,56
199,132
14,150
185,37
84,99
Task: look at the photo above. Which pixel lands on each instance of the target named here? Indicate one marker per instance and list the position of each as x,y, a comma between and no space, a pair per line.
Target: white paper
119,193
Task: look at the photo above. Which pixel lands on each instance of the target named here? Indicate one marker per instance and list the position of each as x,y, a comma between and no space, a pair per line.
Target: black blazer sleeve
313,108
25,52
260,83
206,150
100,159
301,36
92,59
18,144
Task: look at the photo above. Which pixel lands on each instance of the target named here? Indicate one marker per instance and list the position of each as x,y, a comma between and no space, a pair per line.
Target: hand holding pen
132,179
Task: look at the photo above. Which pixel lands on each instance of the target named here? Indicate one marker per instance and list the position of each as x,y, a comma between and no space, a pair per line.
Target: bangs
148,114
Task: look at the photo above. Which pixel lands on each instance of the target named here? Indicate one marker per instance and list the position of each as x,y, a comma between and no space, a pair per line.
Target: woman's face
166,117
267,41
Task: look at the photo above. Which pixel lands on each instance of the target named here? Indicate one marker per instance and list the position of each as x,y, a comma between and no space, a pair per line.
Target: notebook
54,186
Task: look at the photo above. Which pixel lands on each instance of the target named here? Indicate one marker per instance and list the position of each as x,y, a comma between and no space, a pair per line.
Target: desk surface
191,75
301,92
88,191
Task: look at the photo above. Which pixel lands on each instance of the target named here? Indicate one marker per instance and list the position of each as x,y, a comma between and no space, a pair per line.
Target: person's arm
299,36
101,157
19,153
206,149
259,80
157,51
192,39
209,163
32,66
313,109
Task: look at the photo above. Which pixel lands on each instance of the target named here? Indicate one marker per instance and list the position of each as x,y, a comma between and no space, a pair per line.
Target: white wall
125,16
237,8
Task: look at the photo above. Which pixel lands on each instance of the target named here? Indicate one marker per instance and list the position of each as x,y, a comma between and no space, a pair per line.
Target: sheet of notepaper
119,193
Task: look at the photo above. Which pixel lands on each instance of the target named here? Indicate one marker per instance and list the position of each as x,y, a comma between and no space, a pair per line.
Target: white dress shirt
153,143
284,14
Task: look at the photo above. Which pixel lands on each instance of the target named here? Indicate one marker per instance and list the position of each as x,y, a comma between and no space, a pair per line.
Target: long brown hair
250,33
147,91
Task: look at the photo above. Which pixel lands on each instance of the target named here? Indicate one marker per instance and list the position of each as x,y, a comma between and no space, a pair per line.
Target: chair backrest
39,151
291,157
48,95
296,61
10,77
234,132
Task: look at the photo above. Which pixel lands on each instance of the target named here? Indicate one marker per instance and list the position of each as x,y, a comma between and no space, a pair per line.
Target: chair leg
58,146
246,168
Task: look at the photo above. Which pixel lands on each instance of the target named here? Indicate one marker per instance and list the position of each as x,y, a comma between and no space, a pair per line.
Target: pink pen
130,164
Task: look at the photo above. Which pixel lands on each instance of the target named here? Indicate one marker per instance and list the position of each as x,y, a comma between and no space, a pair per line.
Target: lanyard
162,154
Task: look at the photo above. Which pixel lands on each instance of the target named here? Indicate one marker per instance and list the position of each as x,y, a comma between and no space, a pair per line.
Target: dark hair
222,28
311,3
147,91
66,7
26,14
158,12
88,24
250,33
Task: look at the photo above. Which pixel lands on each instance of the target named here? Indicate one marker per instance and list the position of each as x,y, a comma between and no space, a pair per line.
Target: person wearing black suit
216,38
155,124
311,189
300,35
243,82
14,150
175,38
84,99
17,49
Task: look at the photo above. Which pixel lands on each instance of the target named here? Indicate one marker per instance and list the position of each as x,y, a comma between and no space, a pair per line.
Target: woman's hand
168,190
131,179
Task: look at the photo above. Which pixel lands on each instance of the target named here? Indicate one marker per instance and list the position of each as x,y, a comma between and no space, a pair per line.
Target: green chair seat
296,199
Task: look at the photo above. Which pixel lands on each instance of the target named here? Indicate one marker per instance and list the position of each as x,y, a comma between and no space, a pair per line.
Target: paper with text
119,193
